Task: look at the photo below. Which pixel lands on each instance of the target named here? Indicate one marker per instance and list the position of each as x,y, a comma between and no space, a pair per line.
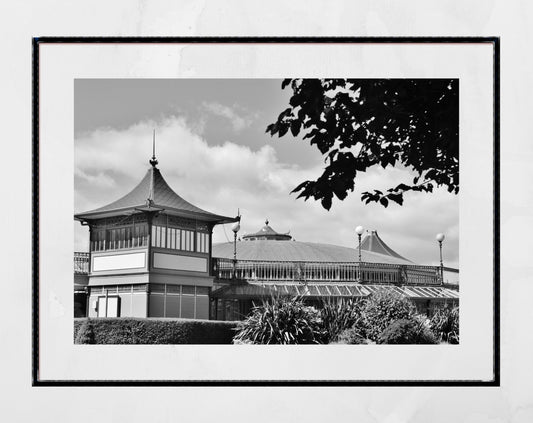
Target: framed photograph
266,211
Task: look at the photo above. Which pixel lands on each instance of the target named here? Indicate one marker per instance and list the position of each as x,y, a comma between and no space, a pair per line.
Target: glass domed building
268,263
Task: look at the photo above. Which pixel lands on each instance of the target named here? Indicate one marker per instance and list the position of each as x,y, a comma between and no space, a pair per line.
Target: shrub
281,321
407,331
84,333
339,316
382,308
351,336
153,331
445,325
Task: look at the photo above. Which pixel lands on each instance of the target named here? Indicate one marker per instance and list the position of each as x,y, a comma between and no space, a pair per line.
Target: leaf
397,198
295,128
326,202
272,128
384,202
285,83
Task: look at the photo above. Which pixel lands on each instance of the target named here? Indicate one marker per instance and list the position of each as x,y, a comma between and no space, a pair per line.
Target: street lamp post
359,231
235,228
440,237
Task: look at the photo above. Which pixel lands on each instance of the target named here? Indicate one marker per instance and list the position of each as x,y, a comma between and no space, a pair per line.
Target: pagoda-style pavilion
150,253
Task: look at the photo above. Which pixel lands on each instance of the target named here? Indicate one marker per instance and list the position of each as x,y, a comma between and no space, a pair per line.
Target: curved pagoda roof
153,194
267,233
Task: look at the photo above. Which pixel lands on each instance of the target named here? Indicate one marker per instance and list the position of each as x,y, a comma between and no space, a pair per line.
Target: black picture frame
38,41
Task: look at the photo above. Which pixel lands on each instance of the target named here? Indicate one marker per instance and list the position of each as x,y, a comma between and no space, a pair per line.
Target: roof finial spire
153,161
266,221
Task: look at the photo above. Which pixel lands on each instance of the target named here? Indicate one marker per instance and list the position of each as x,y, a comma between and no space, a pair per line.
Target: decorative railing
81,263
317,272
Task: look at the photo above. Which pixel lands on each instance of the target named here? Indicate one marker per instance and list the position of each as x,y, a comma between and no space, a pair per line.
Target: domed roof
271,250
267,233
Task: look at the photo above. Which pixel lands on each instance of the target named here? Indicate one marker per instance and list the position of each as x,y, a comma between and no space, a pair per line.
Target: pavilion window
136,236
202,242
191,240
178,239
98,240
110,237
199,242
172,238
187,240
163,237
154,236
127,238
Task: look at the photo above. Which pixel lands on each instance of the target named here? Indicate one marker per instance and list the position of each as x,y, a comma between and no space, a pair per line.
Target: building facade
149,254
272,264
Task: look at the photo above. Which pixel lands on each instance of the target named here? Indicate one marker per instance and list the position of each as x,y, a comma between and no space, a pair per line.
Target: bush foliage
382,308
407,331
152,331
384,317
351,336
445,325
281,321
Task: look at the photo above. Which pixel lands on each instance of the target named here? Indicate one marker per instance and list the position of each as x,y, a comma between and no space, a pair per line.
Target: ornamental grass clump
339,316
281,321
445,325
382,308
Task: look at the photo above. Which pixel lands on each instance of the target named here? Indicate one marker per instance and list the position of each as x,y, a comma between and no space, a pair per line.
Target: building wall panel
202,307
157,305
125,305
173,306
187,306
179,262
138,305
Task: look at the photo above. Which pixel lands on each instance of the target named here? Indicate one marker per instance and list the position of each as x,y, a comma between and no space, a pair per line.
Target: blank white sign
119,262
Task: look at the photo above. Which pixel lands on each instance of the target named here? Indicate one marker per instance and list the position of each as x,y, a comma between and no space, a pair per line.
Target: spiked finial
153,161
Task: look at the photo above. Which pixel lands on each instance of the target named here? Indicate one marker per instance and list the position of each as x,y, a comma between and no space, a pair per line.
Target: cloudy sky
213,151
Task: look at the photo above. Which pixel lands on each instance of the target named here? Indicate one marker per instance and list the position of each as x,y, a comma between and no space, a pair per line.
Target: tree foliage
360,123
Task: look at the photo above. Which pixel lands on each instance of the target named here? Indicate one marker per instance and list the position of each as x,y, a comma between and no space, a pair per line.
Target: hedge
152,331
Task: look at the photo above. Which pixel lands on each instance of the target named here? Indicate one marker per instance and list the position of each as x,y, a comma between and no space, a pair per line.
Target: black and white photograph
266,211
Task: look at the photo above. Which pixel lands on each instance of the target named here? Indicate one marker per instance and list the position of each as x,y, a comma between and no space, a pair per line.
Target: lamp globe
236,227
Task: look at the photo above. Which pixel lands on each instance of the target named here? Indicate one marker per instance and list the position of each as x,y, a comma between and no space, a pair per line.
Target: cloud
224,177
237,116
